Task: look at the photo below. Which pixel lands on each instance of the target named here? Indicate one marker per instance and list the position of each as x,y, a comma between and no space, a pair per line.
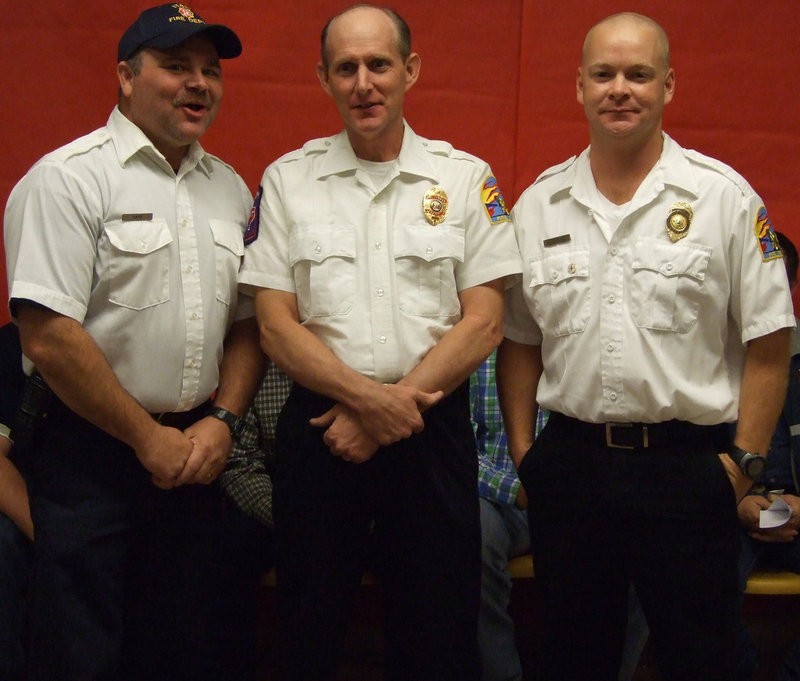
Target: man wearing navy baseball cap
123,255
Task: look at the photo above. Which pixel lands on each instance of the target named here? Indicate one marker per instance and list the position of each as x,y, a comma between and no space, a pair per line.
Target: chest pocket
323,263
667,285
138,263
228,252
425,261
560,292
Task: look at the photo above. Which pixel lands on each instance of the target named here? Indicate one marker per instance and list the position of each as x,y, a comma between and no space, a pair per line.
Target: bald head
401,29
630,18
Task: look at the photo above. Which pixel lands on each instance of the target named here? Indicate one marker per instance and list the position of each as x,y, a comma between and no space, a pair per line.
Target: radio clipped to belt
34,406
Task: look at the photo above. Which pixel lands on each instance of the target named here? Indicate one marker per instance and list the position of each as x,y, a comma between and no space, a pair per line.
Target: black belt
643,435
183,419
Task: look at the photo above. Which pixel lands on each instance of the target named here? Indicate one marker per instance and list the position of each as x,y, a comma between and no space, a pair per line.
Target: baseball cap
166,26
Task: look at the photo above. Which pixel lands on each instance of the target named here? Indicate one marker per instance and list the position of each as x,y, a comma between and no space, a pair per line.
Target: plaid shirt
246,476
497,476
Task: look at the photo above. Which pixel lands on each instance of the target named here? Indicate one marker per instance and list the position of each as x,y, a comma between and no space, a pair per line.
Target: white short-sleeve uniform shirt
634,326
375,280
103,231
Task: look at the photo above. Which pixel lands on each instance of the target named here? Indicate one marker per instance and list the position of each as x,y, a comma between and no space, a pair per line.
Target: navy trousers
416,503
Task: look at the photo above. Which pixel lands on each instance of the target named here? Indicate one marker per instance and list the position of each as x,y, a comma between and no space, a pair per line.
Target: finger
191,469
426,400
161,483
324,420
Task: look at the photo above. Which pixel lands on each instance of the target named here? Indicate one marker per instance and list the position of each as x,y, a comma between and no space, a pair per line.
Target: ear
322,74
669,86
413,65
579,86
125,76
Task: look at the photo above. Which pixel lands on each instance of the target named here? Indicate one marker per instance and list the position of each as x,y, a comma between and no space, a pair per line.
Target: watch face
754,467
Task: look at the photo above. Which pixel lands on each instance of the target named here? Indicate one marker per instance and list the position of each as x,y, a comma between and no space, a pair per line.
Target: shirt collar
413,158
671,169
129,140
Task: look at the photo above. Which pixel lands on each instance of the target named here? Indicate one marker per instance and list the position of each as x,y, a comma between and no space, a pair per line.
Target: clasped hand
389,414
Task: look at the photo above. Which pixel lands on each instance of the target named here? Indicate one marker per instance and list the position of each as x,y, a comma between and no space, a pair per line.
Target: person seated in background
776,547
505,535
504,527
16,526
246,479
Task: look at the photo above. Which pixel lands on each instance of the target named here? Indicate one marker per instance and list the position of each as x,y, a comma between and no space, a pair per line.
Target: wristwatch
752,465
235,423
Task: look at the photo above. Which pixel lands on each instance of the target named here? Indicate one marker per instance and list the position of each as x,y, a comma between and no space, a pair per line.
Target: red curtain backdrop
497,80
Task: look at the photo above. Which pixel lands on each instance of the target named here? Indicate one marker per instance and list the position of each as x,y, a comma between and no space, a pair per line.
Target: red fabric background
498,80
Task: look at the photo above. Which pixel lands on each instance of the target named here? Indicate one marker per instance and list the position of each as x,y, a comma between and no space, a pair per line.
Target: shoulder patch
493,201
767,240
251,233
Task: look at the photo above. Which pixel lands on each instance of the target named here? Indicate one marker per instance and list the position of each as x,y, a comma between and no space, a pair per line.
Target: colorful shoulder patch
493,201
251,233
767,240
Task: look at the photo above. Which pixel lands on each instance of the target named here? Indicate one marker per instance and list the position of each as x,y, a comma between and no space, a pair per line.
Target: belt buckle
610,436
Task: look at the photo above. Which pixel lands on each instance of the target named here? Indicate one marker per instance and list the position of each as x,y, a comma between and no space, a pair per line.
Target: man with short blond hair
653,313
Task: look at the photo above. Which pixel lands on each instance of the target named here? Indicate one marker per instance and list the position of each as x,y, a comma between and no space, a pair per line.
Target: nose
618,87
196,81
363,80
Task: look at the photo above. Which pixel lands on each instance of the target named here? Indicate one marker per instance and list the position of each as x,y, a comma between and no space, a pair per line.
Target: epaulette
317,146
555,170
721,168
79,146
438,147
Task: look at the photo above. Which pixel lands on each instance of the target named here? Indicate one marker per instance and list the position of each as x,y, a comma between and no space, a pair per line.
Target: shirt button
429,250
188,269
317,249
554,275
382,339
327,143
669,267
590,212
572,268
194,316
143,244
379,292
613,251
610,347
611,298
613,397
378,245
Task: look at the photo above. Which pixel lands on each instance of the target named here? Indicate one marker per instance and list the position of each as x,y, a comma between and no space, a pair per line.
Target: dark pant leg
185,616
16,560
321,532
429,535
81,483
686,561
580,556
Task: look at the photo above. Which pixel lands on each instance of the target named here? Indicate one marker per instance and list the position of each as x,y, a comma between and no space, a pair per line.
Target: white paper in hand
776,515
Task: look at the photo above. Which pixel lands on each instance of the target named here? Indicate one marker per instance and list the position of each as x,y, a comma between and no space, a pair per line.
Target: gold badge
434,205
679,220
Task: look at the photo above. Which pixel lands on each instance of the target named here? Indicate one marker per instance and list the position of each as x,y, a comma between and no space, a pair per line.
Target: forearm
290,345
462,349
13,493
763,390
242,368
518,370
76,370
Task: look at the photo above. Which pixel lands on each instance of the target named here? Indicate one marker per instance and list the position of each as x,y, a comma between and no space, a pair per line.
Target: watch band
235,423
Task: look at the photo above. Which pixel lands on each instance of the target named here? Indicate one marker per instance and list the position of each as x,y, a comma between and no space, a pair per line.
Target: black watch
752,465
235,423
